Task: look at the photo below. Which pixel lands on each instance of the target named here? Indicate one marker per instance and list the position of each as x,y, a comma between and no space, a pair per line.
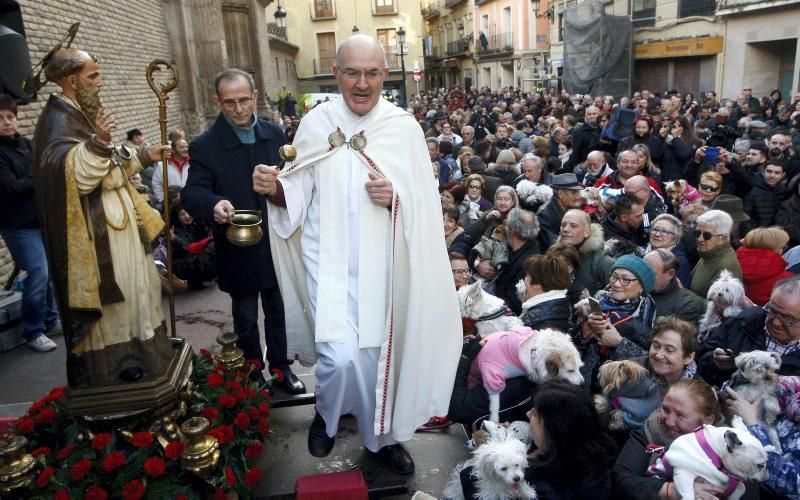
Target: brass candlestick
201,451
16,465
230,356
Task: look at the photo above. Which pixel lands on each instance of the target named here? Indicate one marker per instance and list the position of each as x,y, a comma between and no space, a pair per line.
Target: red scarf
179,165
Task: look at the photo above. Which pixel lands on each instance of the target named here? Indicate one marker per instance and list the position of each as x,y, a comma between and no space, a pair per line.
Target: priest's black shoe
395,458
319,443
291,384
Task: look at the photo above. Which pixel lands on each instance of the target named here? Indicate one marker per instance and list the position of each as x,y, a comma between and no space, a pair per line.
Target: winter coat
614,182
17,200
711,264
628,475
737,183
585,139
636,399
548,310
743,333
595,262
762,202
549,217
471,406
222,168
612,229
654,143
761,269
674,159
679,301
506,173
788,217
505,284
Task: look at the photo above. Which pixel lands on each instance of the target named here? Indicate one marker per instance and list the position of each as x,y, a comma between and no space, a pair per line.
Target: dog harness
503,311
700,435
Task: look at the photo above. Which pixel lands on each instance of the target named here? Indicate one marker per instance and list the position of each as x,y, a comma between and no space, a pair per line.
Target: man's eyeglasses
662,232
709,187
787,322
707,235
460,272
372,74
242,101
621,279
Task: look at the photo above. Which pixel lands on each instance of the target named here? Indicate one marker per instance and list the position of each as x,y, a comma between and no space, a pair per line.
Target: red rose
133,490
55,394
223,433
61,495
277,375
233,386
181,496
214,379
65,452
80,468
263,408
155,466
46,416
101,440
253,412
242,420
113,460
252,477
263,426
95,493
142,439
44,450
227,401
206,353
254,449
44,477
230,477
36,407
210,414
174,450
255,365
220,494
241,395
25,425
250,392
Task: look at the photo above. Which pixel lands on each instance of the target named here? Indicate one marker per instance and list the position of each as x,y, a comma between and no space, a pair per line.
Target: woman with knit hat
624,329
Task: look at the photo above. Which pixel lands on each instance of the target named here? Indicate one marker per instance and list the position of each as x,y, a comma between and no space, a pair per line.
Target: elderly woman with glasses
716,253
623,327
709,187
666,231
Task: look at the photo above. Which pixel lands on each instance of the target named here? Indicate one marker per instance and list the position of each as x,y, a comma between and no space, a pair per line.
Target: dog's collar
503,311
733,479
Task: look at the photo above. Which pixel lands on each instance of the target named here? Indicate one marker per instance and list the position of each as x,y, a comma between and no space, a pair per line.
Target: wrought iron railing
689,8
503,42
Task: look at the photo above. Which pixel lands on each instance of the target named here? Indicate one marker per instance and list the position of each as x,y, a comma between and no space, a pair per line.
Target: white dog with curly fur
726,299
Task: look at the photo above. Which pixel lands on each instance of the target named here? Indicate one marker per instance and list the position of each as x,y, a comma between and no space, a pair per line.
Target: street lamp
280,17
401,38
536,4
355,30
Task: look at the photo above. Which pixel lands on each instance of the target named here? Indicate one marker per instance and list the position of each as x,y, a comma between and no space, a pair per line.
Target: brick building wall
125,36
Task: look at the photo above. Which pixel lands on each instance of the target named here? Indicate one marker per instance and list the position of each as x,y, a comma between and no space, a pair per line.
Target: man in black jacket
775,328
220,180
566,195
625,222
585,138
764,200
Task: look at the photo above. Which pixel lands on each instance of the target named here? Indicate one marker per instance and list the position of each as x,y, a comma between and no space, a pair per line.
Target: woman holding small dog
687,404
672,351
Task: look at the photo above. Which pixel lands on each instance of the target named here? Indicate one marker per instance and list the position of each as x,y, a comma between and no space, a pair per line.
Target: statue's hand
156,152
104,125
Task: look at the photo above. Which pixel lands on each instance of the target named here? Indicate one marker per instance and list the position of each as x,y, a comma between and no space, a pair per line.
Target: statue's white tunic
359,262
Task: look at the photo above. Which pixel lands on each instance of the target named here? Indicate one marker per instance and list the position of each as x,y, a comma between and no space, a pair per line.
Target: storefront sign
679,48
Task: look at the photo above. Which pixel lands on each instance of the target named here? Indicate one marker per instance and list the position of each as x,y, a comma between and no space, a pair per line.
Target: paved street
201,315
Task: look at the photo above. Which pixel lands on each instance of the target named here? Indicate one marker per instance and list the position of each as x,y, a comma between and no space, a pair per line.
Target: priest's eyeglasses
242,101
354,74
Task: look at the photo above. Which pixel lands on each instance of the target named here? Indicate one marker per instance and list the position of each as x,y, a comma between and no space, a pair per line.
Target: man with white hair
716,253
533,170
585,138
353,305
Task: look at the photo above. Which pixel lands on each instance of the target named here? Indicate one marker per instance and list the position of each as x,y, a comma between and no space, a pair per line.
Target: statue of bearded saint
98,232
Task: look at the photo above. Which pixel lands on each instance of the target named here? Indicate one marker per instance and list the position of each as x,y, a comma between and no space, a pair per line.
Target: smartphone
712,153
594,305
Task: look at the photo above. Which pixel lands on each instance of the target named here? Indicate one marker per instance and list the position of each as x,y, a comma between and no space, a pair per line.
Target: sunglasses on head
709,187
707,235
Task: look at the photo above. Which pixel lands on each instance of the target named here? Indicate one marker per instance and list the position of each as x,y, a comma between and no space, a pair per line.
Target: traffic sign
396,49
417,75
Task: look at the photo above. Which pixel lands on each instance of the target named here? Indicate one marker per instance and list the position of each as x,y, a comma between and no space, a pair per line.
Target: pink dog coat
499,359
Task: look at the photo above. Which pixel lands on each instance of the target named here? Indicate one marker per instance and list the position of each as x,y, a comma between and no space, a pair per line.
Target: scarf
619,312
654,432
450,238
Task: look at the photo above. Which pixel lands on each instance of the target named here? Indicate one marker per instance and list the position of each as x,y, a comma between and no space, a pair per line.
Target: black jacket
585,139
471,406
612,229
762,202
628,475
556,313
737,183
222,168
743,333
788,217
505,285
676,156
679,301
17,201
550,222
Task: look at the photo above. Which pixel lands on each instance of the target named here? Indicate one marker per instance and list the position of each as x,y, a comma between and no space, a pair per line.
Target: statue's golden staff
161,94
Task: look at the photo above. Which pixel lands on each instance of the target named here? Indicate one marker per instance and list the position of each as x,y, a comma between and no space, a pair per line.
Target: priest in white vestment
359,249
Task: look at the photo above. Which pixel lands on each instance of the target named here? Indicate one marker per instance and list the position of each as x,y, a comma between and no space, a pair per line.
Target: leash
503,311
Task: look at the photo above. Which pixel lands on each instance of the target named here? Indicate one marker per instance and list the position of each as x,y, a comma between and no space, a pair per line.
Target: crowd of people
648,204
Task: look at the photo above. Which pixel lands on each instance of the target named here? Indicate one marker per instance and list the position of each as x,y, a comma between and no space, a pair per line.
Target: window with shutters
323,9
238,39
326,47
644,13
388,38
384,7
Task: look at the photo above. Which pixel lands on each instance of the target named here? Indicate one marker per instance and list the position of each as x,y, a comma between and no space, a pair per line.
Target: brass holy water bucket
244,229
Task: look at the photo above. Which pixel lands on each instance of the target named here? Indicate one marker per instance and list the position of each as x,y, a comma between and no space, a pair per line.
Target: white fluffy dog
498,467
489,312
756,376
734,449
537,354
519,429
726,299
533,193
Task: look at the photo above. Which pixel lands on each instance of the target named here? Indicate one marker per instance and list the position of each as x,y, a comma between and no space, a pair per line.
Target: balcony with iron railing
452,3
495,44
643,18
735,6
688,8
481,2
430,10
433,53
458,46
275,30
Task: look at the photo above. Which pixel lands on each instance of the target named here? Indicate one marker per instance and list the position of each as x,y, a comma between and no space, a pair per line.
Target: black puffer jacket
585,139
549,218
743,333
762,202
509,276
788,217
17,201
554,313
